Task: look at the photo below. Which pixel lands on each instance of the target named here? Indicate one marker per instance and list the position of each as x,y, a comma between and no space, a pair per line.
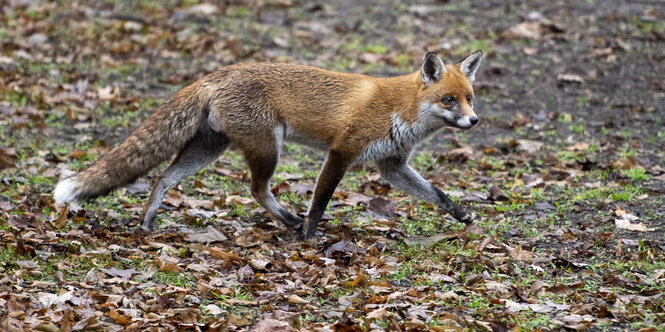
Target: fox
256,107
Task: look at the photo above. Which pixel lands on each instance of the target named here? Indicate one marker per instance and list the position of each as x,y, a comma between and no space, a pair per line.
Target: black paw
465,217
295,223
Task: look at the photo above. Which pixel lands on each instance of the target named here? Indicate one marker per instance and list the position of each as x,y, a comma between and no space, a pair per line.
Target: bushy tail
157,139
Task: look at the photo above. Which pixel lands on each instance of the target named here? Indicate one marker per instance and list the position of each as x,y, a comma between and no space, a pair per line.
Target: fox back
257,106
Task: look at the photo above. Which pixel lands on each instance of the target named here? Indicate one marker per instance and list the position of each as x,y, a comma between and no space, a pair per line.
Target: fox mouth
454,124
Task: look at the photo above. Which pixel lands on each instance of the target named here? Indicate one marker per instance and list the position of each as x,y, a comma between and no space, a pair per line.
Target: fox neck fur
257,106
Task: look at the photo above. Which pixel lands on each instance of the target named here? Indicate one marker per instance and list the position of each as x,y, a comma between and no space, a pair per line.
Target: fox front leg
330,176
397,171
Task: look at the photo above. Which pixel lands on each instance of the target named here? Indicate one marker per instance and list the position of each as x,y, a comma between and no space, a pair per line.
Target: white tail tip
66,191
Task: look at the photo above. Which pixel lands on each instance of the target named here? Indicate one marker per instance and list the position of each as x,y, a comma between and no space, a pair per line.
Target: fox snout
460,116
466,122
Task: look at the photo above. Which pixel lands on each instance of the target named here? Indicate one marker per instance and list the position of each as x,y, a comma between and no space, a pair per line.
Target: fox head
447,94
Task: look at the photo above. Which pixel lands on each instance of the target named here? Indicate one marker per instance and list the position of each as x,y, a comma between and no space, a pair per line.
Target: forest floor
565,172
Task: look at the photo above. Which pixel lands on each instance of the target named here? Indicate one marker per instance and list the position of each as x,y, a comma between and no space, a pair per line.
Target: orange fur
256,106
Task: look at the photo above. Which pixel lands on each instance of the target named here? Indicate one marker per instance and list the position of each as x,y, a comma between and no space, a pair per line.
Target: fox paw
466,217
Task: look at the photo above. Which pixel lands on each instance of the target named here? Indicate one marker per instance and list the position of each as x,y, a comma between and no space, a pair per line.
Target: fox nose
473,120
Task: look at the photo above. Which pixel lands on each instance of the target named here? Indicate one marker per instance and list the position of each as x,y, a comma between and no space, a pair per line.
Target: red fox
257,106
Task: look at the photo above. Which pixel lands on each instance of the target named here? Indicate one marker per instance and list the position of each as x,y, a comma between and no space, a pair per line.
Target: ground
565,172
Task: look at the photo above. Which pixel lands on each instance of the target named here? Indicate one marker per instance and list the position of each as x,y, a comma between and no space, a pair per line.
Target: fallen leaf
108,92
195,203
579,146
459,155
281,188
424,242
272,325
245,274
520,255
49,299
125,274
204,9
529,145
383,207
138,187
344,246
213,309
380,313
119,318
542,206
28,265
235,199
228,257
62,218
512,306
208,235
575,322
353,198
6,160
197,267
303,189
537,286
449,296
167,263
203,214
260,264
295,299
626,224
497,195
626,163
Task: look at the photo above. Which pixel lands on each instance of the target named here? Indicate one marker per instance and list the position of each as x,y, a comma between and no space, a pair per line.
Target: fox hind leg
200,151
262,160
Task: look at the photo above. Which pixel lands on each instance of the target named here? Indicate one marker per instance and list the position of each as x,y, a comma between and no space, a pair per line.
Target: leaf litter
552,171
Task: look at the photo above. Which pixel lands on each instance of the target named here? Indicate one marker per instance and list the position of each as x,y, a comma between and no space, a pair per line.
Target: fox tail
156,140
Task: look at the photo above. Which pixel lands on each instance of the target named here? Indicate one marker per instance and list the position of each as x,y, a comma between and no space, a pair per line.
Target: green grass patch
174,278
636,174
627,193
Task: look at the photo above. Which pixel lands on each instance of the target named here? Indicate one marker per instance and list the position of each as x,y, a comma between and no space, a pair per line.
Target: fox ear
432,68
470,65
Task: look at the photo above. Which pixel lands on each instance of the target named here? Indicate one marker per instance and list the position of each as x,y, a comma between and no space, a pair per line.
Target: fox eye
468,98
448,99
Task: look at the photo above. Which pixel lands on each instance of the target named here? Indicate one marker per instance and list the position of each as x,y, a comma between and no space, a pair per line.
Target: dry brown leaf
383,207
6,160
272,325
520,255
119,318
626,224
424,242
167,263
575,322
208,235
380,313
194,203
359,280
528,145
214,309
235,199
626,163
238,320
295,299
227,256
579,146
62,218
